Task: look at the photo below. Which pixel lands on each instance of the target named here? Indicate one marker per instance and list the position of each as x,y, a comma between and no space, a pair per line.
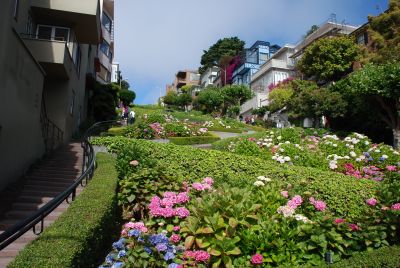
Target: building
106,48
115,73
184,78
47,50
277,68
250,61
328,29
209,76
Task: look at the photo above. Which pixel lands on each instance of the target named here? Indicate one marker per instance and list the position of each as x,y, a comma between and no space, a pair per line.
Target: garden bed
206,139
81,235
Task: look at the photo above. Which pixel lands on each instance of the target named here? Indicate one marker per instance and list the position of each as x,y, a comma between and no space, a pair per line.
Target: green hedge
81,236
116,131
388,257
222,145
194,140
224,129
344,195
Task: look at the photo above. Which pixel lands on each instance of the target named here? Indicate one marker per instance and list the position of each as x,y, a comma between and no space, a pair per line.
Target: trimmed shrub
388,257
224,129
116,131
194,139
81,236
239,171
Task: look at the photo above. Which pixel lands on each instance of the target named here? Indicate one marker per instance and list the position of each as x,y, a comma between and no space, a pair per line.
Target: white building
208,77
115,72
277,68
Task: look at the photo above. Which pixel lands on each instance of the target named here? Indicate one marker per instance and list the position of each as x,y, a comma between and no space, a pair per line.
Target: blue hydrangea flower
135,233
118,265
169,256
370,159
119,244
382,159
173,265
121,253
161,247
148,250
110,258
366,154
158,239
140,239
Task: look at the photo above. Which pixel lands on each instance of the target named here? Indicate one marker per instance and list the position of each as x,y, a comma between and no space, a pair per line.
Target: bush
116,131
239,171
388,257
80,236
224,129
194,139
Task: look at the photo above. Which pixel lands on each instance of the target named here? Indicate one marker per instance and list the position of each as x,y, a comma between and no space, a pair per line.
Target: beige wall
21,79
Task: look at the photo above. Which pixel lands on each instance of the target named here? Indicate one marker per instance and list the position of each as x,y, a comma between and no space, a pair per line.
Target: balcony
53,56
82,16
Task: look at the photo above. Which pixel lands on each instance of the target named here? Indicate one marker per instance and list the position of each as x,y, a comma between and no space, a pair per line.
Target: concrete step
51,179
4,261
47,188
40,193
23,214
40,183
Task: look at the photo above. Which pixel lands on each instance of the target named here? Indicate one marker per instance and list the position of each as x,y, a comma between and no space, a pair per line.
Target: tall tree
235,95
380,85
329,59
127,96
223,47
210,100
384,31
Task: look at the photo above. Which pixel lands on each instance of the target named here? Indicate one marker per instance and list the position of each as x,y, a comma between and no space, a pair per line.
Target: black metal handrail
13,233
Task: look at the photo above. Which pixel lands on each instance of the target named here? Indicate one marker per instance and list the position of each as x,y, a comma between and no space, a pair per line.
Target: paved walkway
45,181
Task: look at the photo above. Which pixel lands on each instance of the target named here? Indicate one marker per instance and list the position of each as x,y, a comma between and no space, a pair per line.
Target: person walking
131,117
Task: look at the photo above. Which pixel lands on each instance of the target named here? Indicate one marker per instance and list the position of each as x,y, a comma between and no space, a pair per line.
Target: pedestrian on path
131,117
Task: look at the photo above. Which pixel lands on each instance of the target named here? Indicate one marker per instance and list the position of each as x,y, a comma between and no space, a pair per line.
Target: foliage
127,96
125,84
103,102
329,59
210,138
280,97
81,235
381,85
312,29
210,100
171,98
223,47
186,88
236,94
261,111
384,32
184,99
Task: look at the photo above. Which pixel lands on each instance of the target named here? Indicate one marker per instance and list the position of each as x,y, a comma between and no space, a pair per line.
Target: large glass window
107,22
106,49
53,33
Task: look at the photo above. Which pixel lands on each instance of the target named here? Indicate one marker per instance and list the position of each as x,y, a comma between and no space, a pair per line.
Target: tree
223,47
380,84
312,29
280,97
184,100
384,32
210,100
171,99
103,102
329,59
127,96
186,88
125,84
235,95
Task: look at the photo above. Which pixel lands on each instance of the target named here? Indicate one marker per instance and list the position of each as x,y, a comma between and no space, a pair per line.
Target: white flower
274,157
334,145
287,158
358,160
258,183
333,164
286,211
279,137
362,157
353,154
281,161
287,142
385,156
263,178
346,157
366,142
302,218
377,151
281,150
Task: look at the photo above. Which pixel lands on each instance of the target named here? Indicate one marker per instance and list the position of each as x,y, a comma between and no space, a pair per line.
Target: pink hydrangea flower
285,194
182,212
391,168
208,180
198,255
354,227
371,202
134,163
318,204
295,202
257,259
198,186
339,221
396,206
176,228
175,238
183,197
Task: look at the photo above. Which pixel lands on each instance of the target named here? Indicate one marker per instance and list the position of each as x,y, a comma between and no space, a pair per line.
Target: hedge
82,235
210,138
116,131
222,145
224,129
388,257
344,195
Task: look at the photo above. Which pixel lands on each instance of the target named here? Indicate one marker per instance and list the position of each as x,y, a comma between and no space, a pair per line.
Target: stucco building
105,51
47,54
184,78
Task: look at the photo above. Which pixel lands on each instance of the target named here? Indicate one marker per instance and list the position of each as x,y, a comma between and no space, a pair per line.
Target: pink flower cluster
206,185
137,226
175,238
197,255
285,194
164,207
391,168
395,206
318,204
354,227
371,202
157,128
295,202
134,163
339,221
257,259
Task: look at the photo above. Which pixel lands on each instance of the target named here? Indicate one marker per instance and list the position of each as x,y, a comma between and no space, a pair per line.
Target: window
107,22
53,33
105,48
16,9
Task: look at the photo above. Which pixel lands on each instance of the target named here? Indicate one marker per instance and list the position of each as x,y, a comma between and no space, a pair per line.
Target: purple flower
161,247
169,256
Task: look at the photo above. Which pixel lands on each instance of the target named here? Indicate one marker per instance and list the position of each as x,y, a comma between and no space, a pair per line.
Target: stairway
45,181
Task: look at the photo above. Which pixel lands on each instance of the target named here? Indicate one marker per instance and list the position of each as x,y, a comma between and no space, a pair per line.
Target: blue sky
156,38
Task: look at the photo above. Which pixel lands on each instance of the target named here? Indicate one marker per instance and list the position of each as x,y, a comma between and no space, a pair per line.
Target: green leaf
235,251
214,252
233,223
189,242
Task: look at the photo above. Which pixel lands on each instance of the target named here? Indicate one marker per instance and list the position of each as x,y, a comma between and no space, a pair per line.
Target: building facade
115,73
48,50
106,48
184,78
250,61
209,76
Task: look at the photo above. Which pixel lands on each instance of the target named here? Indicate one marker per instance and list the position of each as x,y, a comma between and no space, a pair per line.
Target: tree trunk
396,138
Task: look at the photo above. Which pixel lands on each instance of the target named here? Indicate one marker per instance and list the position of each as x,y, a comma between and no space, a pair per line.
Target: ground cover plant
194,208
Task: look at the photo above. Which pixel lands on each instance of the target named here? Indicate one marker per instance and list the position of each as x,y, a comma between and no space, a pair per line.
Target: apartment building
184,78
104,66
208,77
115,73
47,54
250,61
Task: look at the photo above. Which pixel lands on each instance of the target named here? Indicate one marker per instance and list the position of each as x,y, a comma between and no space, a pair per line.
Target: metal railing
88,165
52,134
